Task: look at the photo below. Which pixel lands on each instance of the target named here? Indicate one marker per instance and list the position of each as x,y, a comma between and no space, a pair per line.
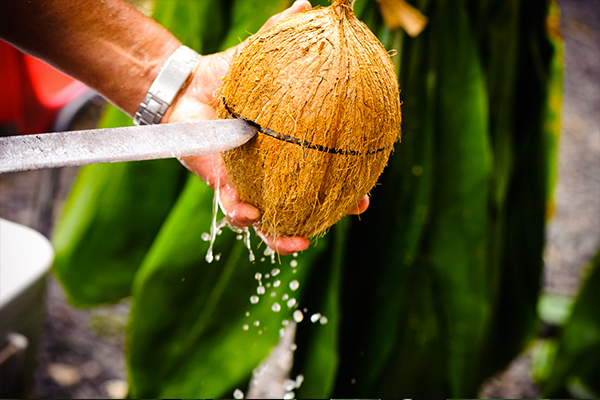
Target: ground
82,350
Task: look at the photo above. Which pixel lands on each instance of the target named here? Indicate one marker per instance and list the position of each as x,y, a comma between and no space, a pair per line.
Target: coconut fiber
323,93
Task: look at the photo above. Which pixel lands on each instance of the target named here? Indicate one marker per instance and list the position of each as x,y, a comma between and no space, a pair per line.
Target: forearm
106,44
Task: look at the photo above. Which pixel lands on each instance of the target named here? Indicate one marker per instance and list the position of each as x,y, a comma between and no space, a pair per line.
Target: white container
25,260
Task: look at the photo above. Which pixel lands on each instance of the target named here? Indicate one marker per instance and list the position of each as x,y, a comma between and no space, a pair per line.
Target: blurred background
81,354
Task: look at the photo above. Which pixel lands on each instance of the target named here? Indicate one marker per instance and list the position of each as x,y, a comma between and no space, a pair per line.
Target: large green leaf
191,313
198,24
523,215
109,222
318,345
457,242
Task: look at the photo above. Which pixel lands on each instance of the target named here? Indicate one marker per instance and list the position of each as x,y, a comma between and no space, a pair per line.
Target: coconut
323,93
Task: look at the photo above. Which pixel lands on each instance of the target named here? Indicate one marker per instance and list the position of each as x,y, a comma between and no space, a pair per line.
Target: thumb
297,7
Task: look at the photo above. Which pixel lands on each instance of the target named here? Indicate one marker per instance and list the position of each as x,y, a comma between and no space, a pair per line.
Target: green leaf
109,221
199,25
457,242
521,222
191,313
318,344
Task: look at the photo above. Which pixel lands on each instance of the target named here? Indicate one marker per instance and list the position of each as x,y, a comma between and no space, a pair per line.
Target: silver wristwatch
170,80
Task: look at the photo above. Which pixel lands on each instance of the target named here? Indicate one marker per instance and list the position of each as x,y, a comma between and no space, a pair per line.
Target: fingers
238,213
361,207
284,245
298,6
227,55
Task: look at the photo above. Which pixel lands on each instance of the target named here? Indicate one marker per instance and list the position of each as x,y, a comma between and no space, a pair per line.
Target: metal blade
96,146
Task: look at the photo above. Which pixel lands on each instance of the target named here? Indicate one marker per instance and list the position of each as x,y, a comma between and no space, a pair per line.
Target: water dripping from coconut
217,226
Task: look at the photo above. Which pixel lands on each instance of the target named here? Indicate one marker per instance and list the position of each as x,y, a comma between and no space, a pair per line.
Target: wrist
170,81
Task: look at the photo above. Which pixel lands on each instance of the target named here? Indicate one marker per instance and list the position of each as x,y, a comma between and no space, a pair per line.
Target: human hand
198,101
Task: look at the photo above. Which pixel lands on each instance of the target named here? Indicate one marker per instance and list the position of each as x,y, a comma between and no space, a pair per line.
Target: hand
198,102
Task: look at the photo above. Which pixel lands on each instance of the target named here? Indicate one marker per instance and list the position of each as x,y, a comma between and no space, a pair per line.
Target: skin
119,57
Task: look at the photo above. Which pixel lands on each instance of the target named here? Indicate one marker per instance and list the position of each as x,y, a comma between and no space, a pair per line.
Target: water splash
298,316
216,227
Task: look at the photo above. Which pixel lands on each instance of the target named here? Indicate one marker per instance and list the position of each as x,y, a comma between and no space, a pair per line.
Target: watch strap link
172,77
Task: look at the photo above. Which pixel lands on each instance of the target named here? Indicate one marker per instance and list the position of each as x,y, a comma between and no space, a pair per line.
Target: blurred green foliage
426,294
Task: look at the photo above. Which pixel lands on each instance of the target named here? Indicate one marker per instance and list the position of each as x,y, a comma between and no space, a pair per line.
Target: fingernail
251,213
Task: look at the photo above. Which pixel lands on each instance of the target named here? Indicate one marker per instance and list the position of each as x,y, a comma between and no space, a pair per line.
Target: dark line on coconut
302,143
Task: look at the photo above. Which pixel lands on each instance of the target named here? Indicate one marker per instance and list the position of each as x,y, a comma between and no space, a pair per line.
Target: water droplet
276,283
294,263
273,294
275,271
254,299
217,257
323,320
247,313
238,394
315,317
285,322
245,327
282,332
289,385
258,276
260,332
293,271
260,289
294,285
289,395
293,347
276,307
239,237
299,380
268,284
295,255
285,297
291,303
256,323
267,276
262,259
216,230
270,252
298,316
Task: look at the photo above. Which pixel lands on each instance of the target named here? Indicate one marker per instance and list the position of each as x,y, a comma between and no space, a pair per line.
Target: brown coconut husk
324,93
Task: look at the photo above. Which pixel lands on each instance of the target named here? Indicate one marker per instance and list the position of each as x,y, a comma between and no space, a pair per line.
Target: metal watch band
171,79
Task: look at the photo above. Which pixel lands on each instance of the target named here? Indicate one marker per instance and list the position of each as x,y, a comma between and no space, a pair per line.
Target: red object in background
32,93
